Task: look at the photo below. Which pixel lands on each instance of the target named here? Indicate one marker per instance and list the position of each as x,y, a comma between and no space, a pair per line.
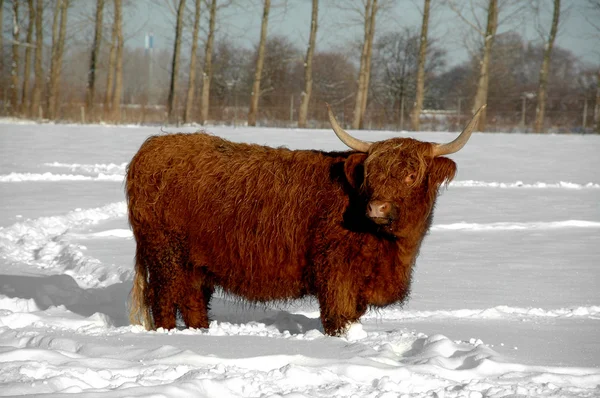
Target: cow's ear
354,169
442,171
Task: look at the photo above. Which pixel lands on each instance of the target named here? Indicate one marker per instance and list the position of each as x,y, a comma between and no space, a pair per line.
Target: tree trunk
57,55
419,94
187,114
598,102
541,96
362,88
171,102
53,58
207,74
116,100
482,84
308,65
363,107
112,59
91,84
14,72
2,45
255,95
27,68
36,97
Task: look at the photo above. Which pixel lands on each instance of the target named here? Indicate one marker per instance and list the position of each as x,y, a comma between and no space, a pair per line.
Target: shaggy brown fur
275,224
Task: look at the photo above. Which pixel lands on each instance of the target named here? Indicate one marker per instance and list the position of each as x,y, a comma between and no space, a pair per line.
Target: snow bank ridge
521,184
506,226
28,177
107,168
43,242
502,311
85,172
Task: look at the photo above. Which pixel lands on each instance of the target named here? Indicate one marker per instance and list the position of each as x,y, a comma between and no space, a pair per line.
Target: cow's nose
379,209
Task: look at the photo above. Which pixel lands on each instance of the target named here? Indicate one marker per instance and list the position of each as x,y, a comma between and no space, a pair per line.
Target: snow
505,297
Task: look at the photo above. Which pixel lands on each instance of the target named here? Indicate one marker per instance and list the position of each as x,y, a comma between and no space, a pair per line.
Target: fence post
523,108
235,107
292,108
597,111
402,112
585,106
459,111
82,115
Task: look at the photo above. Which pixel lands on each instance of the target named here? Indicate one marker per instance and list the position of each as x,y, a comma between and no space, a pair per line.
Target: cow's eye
410,178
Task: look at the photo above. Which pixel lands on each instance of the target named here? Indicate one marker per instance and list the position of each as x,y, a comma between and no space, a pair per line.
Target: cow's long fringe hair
139,311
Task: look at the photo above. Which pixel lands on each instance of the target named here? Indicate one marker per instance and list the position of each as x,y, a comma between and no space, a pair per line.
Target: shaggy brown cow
277,224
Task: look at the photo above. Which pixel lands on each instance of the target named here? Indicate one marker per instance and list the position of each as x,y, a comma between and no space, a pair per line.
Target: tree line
395,79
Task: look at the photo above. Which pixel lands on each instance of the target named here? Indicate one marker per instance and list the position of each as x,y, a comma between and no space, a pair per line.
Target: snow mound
521,184
507,226
98,168
43,243
17,304
111,233
505,312
134,362
16,313
28,177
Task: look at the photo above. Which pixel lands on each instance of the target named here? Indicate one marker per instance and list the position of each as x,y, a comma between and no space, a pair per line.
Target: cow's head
400,177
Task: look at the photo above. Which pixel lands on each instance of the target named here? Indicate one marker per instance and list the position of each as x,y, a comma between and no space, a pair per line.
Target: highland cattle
271,224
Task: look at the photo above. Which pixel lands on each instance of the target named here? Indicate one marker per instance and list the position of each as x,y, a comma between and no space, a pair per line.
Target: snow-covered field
505,302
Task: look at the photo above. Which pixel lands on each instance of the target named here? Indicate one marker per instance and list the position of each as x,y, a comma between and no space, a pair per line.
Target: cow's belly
256,279
262,282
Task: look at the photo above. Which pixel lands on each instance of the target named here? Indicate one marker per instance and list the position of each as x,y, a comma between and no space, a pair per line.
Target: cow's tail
139,312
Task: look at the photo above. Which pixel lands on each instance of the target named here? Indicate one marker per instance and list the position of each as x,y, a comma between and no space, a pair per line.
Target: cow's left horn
354,143
461,140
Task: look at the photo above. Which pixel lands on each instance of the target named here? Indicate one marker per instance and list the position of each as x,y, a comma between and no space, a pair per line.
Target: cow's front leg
339,309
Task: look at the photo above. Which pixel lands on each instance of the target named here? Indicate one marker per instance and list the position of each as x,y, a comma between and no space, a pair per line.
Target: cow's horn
354,143
461,140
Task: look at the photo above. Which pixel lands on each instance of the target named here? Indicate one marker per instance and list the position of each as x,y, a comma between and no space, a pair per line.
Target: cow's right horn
354,143
461,140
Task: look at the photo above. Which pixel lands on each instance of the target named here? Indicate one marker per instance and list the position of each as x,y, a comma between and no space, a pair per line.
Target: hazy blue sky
338,27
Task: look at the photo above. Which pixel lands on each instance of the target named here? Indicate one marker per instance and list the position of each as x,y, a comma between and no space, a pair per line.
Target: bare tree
112,59
592,13
484,76
364,73
171,101
27,69
36,97
363,109
91,83
58,48
187,115
597,113
418,105
541,97
488,35
207,73
2,42
592,16
396,63
116,99
308,80
255,95
14,72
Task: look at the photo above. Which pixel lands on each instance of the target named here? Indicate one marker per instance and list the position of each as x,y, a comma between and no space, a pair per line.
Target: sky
339,27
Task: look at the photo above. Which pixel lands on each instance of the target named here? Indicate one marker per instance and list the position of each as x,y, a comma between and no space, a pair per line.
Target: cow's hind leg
194,305
164,256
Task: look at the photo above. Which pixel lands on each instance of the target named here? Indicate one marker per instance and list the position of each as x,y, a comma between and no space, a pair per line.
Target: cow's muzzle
382,213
